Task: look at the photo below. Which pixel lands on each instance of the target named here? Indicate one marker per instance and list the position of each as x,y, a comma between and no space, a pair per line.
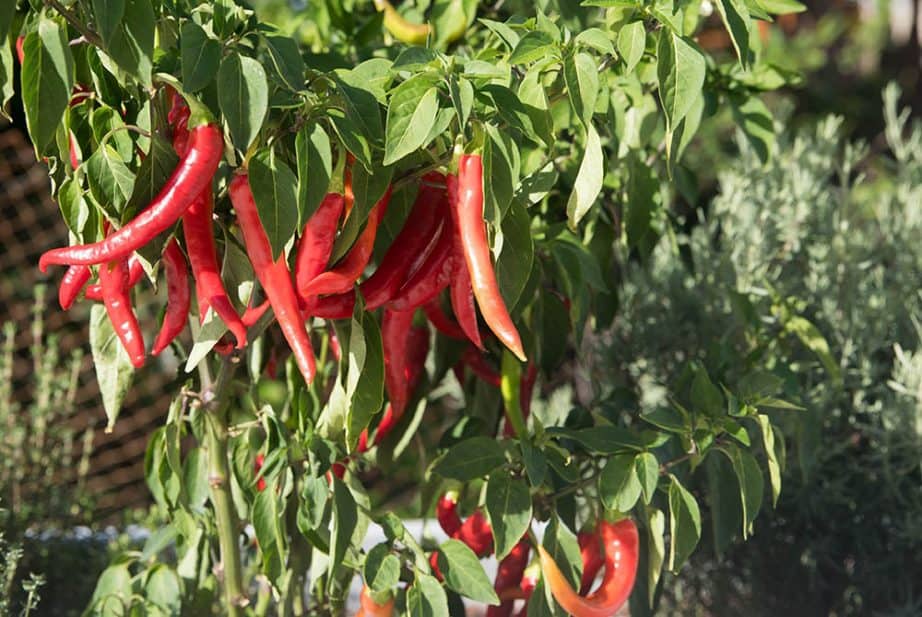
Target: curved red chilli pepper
178,297
474,531
509,576
198,232
370,608
343,276
197,229
395,330
114,280
417,350
462,297
135,274
480,367
620,543
441,321
408,249
252,314
590,549
273,275
316,241
337,306
446,512
72,284
431,277
191,177
466,195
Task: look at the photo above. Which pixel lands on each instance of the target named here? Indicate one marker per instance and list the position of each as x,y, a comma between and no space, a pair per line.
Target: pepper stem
509,387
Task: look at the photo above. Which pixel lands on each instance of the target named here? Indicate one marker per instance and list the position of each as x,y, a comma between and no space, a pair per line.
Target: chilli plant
398,222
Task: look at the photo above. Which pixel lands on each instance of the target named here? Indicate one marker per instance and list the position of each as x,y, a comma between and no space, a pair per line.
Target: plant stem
91,37
216,407
509,386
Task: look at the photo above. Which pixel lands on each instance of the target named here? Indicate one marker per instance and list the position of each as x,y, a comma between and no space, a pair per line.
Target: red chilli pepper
178,297
72,148
591,552
409,248
135,274
441,321
191,177
431,277
197,229
114,280
338,306
508,577
20,53
316,242
343,276
620,544
395,330
466,195
462,297
474,531
72,284
273,275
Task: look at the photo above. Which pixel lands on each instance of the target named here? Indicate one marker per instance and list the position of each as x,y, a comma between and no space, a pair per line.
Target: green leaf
684,524
368,396
588,184
656,550
7,12
243,95
108,14
156,169
641,223
426,597
7,83
47,81
382,568
751,484
705,396
113,368
680,69
782,7
771,455
132,44
535,45
268,524
498,174
470,459
647,467
163,589
412,111
464,574
361,106
514,264
736,19
107,121
753,117
286,60
111,182
275,191
602,439
315,167
415,59
462,97
814,340
632,40
509,510
535,462
345,518
582,78
597,39
507,35
619,486
200,56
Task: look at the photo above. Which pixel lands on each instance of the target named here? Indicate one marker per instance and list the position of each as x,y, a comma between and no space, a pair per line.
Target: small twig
90,36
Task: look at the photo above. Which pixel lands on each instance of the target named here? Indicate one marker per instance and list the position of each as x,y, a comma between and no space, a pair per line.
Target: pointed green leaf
243,95
47,81
589,178
200,56
274,188
464,574
509,511
680,70
113,368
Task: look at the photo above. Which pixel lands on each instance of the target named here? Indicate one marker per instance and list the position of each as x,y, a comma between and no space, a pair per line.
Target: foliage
582,115
825,235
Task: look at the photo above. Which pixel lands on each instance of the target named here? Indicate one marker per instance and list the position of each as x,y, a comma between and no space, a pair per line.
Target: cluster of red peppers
443,244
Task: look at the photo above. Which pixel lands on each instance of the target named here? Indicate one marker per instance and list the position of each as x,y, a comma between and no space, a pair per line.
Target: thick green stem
509,386
216,404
